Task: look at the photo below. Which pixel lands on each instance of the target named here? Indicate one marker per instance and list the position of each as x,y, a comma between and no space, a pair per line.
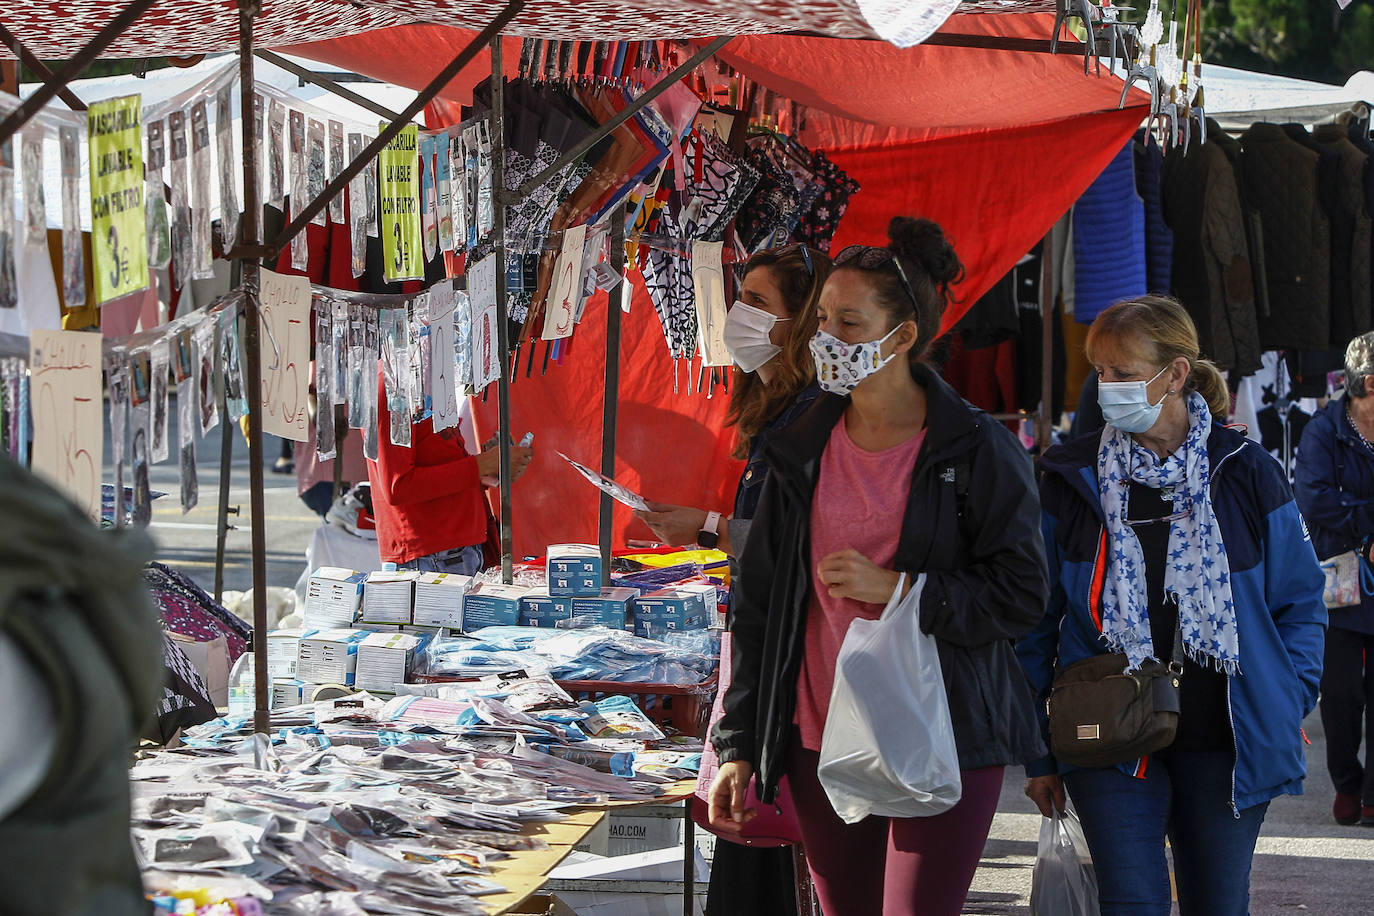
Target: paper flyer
400,194
119,240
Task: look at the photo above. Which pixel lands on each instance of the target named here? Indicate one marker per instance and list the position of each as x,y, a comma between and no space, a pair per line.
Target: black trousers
749,881
1347,709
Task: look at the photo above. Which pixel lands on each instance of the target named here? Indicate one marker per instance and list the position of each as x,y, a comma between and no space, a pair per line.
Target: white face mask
1126,405
840,366
747,332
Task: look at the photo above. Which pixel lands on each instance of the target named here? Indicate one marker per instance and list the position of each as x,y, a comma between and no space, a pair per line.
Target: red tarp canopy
993,145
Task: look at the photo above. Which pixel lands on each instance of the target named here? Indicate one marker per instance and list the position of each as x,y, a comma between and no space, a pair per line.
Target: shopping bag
772,825
1063,883
1347,576
888,745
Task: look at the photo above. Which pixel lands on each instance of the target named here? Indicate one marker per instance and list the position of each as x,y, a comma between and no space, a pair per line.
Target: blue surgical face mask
1126,405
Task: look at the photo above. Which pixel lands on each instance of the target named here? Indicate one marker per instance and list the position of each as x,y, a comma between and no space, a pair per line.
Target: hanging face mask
1126,405
840,366
746,336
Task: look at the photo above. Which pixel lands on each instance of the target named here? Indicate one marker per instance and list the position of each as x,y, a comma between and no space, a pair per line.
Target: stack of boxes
365,630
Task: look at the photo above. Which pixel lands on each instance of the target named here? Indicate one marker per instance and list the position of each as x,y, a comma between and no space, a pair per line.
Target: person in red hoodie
428,499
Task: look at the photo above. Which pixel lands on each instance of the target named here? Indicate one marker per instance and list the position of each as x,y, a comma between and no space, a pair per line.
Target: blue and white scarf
1198,574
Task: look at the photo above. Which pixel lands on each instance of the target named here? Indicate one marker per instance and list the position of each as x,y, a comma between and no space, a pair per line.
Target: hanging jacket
1333,482
1276,588
1109,240
1159,238
1350,248
1281,182
1211,270
1254,227
72,601
985,583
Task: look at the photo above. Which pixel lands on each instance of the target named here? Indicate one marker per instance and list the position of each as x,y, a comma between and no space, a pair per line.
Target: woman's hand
1047,792
850,574
726,800
673,525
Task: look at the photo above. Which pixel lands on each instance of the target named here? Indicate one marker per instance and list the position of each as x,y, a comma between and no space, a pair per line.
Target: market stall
419,755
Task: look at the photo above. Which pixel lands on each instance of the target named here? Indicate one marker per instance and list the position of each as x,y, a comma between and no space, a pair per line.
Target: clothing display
1109,240
186,609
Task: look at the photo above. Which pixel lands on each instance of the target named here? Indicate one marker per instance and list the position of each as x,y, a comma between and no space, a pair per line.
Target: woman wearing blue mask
1167,525
888,472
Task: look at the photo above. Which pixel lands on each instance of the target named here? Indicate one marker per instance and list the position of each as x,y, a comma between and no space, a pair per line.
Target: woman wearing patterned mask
1164,525
888,472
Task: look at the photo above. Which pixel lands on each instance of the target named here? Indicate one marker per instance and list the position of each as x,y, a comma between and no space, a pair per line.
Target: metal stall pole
252,221
611,397
498,184
1045,420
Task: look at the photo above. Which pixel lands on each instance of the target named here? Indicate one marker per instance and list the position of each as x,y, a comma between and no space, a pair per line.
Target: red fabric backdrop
994,146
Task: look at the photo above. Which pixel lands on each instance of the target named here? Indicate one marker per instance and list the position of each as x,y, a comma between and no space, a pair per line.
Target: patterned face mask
840,366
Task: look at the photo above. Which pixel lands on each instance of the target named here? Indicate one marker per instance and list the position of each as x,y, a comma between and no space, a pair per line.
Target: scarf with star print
1197,574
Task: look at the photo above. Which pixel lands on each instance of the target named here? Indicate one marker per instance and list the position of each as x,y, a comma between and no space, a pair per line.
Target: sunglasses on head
870,257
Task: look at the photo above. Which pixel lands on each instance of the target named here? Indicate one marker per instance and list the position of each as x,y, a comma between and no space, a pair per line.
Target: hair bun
923,242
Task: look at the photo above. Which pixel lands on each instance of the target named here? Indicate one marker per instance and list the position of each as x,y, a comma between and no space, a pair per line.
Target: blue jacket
1275,581
1334,486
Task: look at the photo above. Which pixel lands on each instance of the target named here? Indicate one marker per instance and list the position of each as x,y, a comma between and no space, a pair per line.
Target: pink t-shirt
860,503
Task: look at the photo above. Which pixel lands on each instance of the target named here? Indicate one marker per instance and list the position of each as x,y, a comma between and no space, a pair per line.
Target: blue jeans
465,561
1186,796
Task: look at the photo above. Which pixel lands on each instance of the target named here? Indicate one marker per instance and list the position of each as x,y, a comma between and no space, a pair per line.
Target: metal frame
27,58
325,82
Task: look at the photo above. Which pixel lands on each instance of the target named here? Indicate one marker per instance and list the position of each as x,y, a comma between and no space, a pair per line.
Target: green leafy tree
1311,39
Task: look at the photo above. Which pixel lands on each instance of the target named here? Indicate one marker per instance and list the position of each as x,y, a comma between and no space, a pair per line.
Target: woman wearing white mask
1167,526
768,331
888,472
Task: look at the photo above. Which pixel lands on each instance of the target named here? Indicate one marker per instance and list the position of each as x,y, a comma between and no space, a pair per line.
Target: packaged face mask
429,200
181,203
396,374
276,161
207,390
202,256
370,173
160,358
300,251
458,189
184,365
117,385
442,164
340,366
73,257
315,169
231,363
35,204
9,288
155,196
336,165
357,210
357,406
325,446
224,150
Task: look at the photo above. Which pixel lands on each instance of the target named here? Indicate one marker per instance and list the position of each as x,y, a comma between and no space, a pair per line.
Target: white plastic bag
888,746
1064,882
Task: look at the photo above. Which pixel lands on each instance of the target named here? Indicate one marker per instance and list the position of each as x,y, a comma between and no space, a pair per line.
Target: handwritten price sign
68,429
285,350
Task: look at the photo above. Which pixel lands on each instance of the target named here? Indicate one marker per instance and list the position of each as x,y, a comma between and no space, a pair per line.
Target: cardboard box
329,656
385,660
283,650
333,597
574,570
211,660
671,609
611,608
543,905
540,609
387,596
490,605
288,692
439,599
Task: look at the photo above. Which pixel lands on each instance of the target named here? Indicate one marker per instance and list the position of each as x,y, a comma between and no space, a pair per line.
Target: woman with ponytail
887,473
1168,525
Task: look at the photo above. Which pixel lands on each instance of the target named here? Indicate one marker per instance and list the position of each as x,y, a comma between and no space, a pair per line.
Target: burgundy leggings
906,866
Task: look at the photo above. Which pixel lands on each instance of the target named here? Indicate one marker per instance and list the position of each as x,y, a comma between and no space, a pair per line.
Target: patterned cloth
186,609
1198,574
185,698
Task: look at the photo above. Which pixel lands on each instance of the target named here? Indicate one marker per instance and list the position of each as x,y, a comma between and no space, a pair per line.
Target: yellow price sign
399,170
119,244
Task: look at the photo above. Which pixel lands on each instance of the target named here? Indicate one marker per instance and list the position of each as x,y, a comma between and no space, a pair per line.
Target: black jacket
985,586
1282,182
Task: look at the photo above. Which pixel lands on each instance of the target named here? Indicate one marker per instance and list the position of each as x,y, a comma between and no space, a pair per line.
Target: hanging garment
1211,273
994,318
185,699
1281,182
1109,240
1254,231
1350,246
1159,239
818,222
